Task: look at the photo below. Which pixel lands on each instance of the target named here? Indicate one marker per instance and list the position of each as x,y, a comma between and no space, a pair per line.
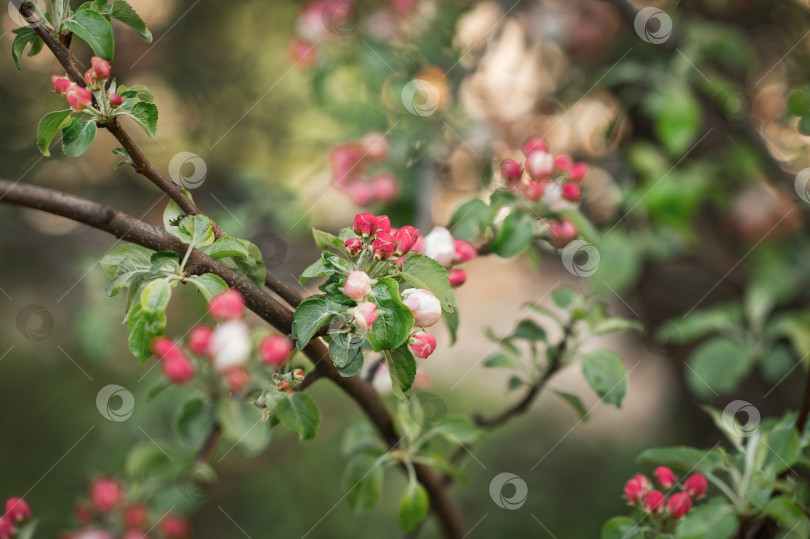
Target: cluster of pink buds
17,512
227,346
318,21
96,77
349,163
107,502
377,238
440,245
639,492
552,180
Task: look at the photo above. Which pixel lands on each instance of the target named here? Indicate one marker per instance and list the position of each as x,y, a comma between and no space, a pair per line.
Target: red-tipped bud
18,510
422,344
353,246
115,100
365,224
383,246
298,375
562,233
696,485
163,346
135,516
90,77
534,190
426,309
100,67
636,487
237,378
283,385
106,494
6,527
365,314
457,277
654,502
679,504
275,350
534,144
178,368
563,162
358,285
464,251
511,171
83,512
404,239
539,165
60,84
78,98
578,171
199,340
302,53
383,224
228,305
665,477
571,191
175,527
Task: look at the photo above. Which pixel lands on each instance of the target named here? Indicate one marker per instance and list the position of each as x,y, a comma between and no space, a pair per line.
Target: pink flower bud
383,246
83,512
78,98
365,314
571,191
283,385
6,527
636,487
230,345
653,502
562,162
115,100
534,144
665,477
404,239
353,246
228,305
275,350
376,145
90,77
174,526
534,190
199,339
383,224
347,162
365,224
679,504
360,191
511,170
539,164
422,344
106,493
384,187
100,67
60,84
358,285
163,346
457,277
423,304
577,172
177,368
135,516
237,378
562,233
298,375
696,485
18,509
302,53
464,251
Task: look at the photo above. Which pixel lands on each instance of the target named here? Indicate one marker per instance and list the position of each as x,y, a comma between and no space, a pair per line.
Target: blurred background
692,122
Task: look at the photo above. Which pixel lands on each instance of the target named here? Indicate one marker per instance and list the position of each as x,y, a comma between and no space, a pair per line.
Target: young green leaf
298,412
252,267
194,421
226,247
142,329
401,368
313,313
451,319
363,479
622,528
346,352
127,15
145,115
459,430
77,136
196,230
209,284
424,272
718,366
24,37
242,425
575,402
325,240
515,234
48,127
155,296
687,459
470,220
394,319
413,507
93,28
134,255
606,375
714,519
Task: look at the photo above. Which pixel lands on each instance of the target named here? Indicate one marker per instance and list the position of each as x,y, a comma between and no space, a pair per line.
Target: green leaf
95,30
614,324
209,284
515,234
325,240
165,262
124,13
564,297
575,402
700,323
394,319
139,92
619,265
459,430
194,421
504,359
172,215
413,507
606,375
312,314
147,460
529,330
683,458
142,329
77,136
242,425
196,230
789,516
49,125
316,269
718,366
226,247
470,221
795,327
126,278
424,272
145,115
676,115
155,296
298,412
253,266
21,40
363,480
622,528
134,256
712,520
401,368
451,319
346,352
